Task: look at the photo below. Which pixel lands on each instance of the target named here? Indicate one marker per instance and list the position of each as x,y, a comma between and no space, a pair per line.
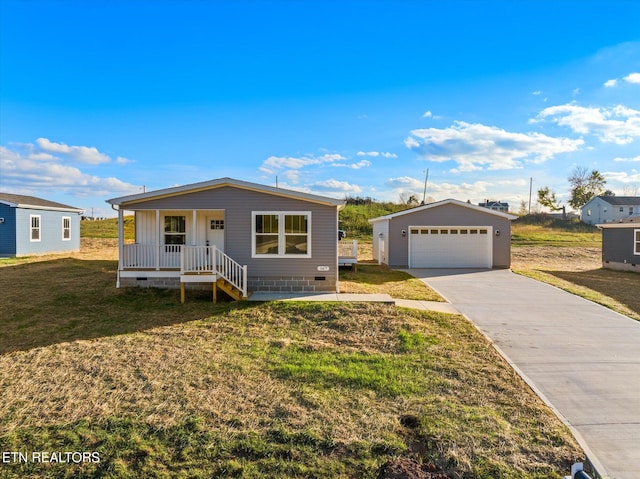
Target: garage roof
464,204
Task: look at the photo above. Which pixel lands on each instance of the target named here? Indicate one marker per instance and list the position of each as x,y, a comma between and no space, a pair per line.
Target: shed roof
23,201
630,222
219,183
479,209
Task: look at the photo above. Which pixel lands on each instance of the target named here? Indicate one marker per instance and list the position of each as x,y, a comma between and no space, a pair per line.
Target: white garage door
450,247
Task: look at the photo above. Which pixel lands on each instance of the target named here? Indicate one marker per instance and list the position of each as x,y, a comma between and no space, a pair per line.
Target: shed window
281,234
175,230
636,242
35,227
66,228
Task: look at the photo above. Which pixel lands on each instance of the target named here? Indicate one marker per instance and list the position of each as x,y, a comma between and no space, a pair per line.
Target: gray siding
8,230
50,232
238,205
448,215
617,245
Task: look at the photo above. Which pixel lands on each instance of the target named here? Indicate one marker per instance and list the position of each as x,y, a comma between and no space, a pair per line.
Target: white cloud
620,125
84,154
404,182
477,146
123,161
383,154
575,92
611,83
22,173
632,78
427,114
273,164
354,166
628,160
537,92
622,176
336,187
477,189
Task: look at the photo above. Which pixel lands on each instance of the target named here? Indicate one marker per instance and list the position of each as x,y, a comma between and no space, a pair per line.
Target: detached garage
445,234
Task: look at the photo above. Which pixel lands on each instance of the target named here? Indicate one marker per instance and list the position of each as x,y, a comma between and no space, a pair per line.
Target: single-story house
241,236
444,234
621,244
34,226
603,209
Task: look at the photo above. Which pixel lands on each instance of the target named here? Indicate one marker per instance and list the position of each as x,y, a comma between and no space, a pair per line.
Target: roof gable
23,201
479,209
219,183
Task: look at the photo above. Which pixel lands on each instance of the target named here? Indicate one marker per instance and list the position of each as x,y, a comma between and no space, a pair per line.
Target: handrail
232,271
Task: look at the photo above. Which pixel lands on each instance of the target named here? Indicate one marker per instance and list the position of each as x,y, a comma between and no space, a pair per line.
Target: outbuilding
35,226
621,244
444,234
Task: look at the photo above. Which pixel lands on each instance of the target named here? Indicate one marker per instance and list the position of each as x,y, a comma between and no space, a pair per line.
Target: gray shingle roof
33,201
621,200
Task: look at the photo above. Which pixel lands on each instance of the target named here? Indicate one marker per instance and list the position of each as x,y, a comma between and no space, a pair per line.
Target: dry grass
373,278
276,390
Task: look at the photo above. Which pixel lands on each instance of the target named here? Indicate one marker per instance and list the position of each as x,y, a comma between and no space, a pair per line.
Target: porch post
120,242
158,233
194,230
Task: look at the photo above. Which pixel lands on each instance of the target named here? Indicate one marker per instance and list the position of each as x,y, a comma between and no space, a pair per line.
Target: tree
585,185
548,198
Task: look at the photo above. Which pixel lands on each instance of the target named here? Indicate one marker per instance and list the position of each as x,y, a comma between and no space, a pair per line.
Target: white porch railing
348,249
187,259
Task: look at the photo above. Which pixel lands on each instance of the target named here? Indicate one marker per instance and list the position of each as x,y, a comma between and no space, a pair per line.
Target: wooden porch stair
233,292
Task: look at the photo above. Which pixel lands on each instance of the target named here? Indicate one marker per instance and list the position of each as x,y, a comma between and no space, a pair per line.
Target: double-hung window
281,234
66,228
175,230
35,227
636,242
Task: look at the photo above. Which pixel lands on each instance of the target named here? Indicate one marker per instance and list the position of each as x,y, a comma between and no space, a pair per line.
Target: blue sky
104,98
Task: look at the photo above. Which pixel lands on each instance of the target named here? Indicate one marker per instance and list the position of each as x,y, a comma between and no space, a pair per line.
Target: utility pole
424,192
530,189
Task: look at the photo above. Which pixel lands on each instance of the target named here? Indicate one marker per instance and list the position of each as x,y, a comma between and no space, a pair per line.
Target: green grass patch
542,230
107,228
373,278
289,390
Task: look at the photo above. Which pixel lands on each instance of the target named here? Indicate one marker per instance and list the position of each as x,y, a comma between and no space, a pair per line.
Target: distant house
34,226
621,244
444,234
604,209
495,206
239,236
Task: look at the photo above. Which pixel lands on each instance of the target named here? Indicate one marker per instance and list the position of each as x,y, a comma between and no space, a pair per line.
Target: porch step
230,289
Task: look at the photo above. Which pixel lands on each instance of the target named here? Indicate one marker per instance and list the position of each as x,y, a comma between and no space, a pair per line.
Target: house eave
41,207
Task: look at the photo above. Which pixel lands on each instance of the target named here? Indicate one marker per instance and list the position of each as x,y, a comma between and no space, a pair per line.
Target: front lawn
159,389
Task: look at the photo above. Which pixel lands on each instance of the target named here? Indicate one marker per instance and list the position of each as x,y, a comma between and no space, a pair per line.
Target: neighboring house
603,209
33,226
621,244
445,234
495,205
238,235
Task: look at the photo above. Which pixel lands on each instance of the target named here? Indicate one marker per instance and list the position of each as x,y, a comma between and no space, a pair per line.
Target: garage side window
636,243
66,228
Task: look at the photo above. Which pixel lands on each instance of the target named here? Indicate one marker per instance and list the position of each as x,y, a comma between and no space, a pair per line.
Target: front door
215,231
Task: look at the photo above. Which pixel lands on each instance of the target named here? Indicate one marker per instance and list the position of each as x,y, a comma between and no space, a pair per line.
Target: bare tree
585,185
631,190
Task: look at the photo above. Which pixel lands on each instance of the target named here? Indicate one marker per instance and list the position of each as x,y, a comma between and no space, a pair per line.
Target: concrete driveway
582,359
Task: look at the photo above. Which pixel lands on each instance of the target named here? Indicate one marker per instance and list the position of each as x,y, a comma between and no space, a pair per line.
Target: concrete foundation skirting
292,284
622,266
163,283
272,284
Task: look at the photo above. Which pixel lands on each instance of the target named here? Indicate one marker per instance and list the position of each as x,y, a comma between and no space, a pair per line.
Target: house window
281,234
621,209
66,228
175,230
631,210
217,224
35,227
636,242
